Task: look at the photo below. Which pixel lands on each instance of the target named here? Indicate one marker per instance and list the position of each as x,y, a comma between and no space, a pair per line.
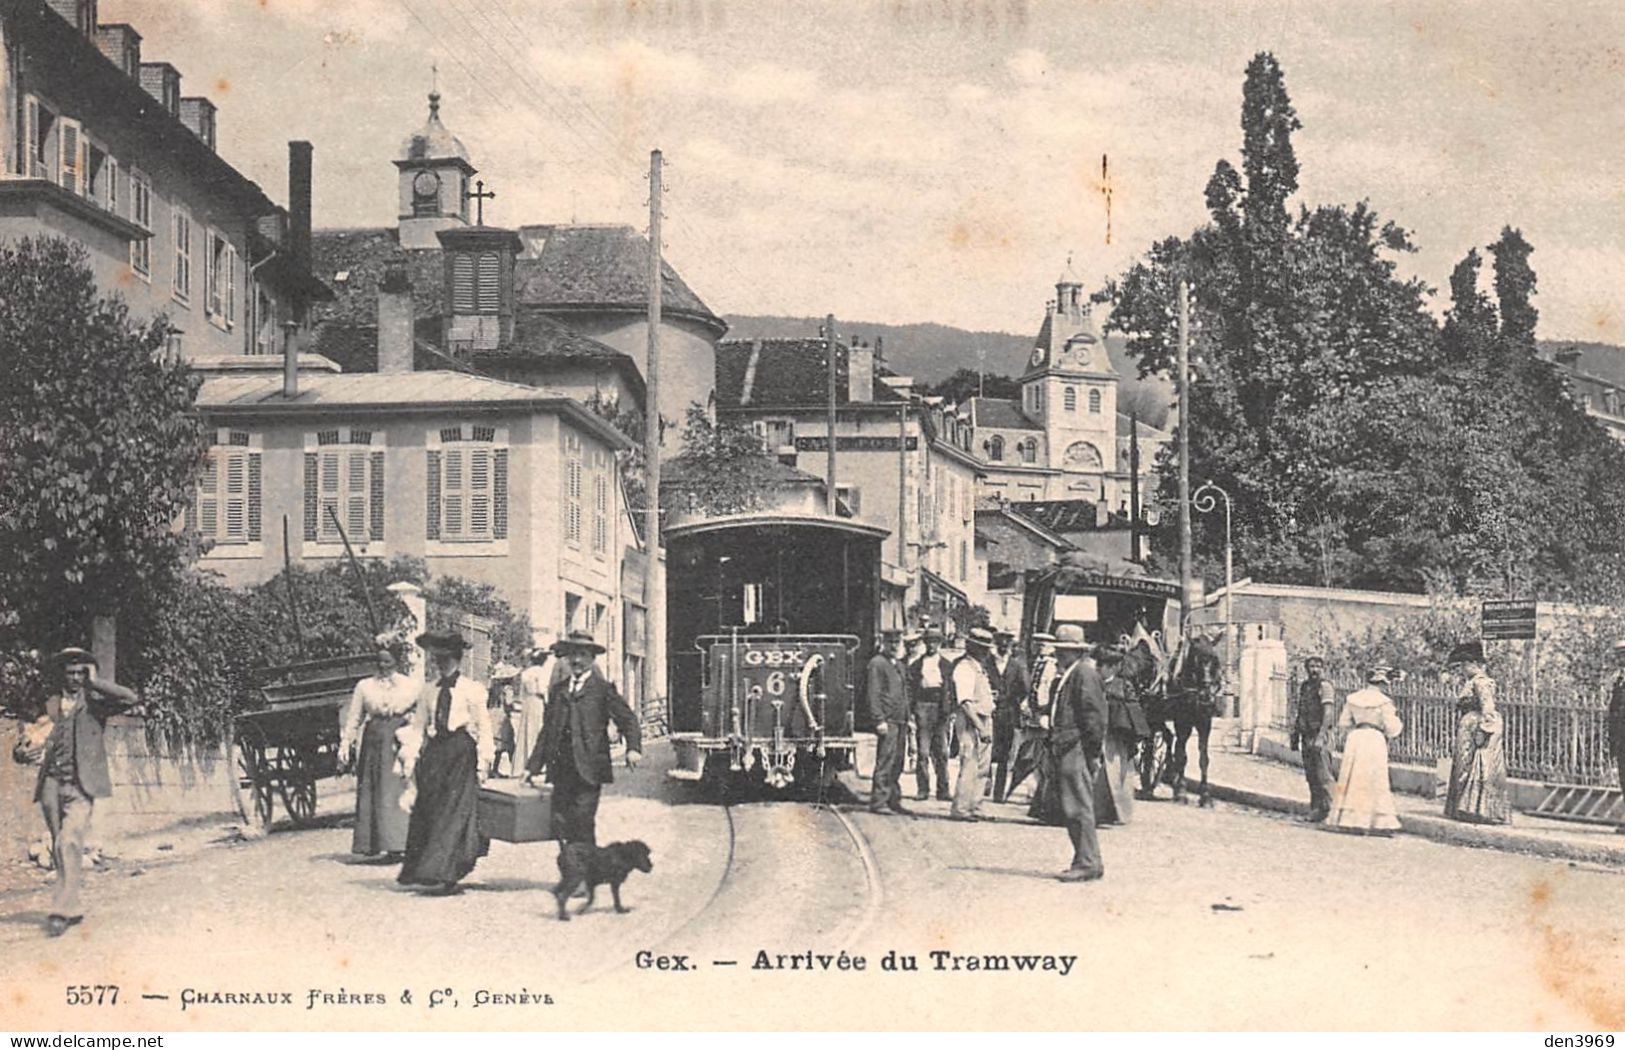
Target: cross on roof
479,195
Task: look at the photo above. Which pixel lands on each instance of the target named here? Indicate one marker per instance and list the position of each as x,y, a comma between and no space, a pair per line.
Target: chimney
290,359
860,372
299,168
198,114
395,320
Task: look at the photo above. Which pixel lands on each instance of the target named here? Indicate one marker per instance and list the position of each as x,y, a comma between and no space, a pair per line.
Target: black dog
592,866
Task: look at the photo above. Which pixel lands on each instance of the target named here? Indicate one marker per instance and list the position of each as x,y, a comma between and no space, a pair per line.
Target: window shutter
489,282
499,494
432,524
253,497
191,515
28,138
310,496
462,283
211,276
68,166
208,504
376,524
236,497
356,495
111,167
479,492
453,497
231,286
328,495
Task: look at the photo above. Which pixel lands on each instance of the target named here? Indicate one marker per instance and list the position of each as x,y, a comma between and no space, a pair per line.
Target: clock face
427,184
1038,356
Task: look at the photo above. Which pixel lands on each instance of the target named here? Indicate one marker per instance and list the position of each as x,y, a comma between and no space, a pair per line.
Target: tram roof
772,520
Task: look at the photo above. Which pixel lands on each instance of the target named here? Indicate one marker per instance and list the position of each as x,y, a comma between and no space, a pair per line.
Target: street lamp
1204,503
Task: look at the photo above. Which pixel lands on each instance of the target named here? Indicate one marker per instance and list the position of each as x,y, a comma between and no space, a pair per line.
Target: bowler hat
442,641
75,655
1467,652
1070,636
577,641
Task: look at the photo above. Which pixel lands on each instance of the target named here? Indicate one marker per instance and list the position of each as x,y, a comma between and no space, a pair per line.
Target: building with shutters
98,144
902,461
487,480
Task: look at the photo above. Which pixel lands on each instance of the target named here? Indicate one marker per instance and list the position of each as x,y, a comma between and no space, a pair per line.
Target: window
1071,398
1029,451
141,215
1094,402
226,512
571,481
779,433
964,562
468,484
476,283
601,462
38,131
344,486
852,496
220,281
71,160
265,318
183,256
101,177
995,448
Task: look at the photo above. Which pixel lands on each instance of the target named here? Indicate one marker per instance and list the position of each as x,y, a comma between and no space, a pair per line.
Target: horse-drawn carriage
292,741
1178,678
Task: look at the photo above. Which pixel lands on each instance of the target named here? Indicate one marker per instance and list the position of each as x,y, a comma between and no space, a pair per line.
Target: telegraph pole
1134,487
654,585
830,343
1186,579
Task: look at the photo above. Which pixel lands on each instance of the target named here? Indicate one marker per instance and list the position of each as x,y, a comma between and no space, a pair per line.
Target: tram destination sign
1508,619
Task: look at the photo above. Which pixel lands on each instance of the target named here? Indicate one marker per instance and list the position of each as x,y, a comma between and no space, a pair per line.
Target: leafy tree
99,445
723,469
633,463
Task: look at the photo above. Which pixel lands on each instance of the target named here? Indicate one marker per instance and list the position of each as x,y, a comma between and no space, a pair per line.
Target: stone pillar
1263,660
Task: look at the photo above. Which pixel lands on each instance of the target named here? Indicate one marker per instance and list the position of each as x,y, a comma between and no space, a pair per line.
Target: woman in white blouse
443,840
1363,802
379,706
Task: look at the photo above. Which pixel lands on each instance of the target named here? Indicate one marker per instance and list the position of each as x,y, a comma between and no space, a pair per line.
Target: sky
938,160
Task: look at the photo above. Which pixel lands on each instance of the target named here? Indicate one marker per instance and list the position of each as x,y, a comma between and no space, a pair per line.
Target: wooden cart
293,740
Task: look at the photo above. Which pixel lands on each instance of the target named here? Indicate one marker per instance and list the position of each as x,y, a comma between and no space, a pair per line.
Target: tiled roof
543,340
261,393
1000,414
564,269
582,266
1058,515
355,348
787,373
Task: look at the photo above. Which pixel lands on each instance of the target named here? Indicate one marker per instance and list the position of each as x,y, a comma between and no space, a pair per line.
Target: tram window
752,603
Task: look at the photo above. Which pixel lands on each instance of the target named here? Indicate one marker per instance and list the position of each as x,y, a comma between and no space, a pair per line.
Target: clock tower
1070,390
435,174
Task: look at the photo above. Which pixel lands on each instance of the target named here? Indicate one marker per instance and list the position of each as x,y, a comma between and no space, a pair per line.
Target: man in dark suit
574,746
888,706
1012,684
1077,734
73,774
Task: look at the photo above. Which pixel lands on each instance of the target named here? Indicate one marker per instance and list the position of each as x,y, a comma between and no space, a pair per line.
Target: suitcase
509,811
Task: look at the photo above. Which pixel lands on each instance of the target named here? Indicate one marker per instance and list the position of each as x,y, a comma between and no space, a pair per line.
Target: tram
770,620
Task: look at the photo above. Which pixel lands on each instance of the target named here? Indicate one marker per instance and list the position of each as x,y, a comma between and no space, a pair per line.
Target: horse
1145,669
1192,689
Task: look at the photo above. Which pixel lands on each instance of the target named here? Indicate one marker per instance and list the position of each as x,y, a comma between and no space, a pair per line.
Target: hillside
932,352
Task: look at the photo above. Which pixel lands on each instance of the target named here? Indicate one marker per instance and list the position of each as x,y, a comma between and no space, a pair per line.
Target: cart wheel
299,796
255,779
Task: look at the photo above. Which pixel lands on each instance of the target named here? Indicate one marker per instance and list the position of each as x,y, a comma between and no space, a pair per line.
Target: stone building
98,144
1063,438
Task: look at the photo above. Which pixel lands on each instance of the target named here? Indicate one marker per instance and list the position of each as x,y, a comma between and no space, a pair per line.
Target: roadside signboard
1508,619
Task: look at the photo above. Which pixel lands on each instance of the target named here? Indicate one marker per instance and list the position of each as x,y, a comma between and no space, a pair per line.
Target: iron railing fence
1553,738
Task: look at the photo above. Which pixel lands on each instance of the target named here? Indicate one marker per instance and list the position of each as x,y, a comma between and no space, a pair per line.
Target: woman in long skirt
443,839
1362,801
1478,767
379,707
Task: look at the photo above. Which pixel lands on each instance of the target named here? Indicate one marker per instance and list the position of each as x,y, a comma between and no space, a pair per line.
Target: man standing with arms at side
1011,684
973,703
888,706
931,723
575,740
1312,735
1077,734
73,774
